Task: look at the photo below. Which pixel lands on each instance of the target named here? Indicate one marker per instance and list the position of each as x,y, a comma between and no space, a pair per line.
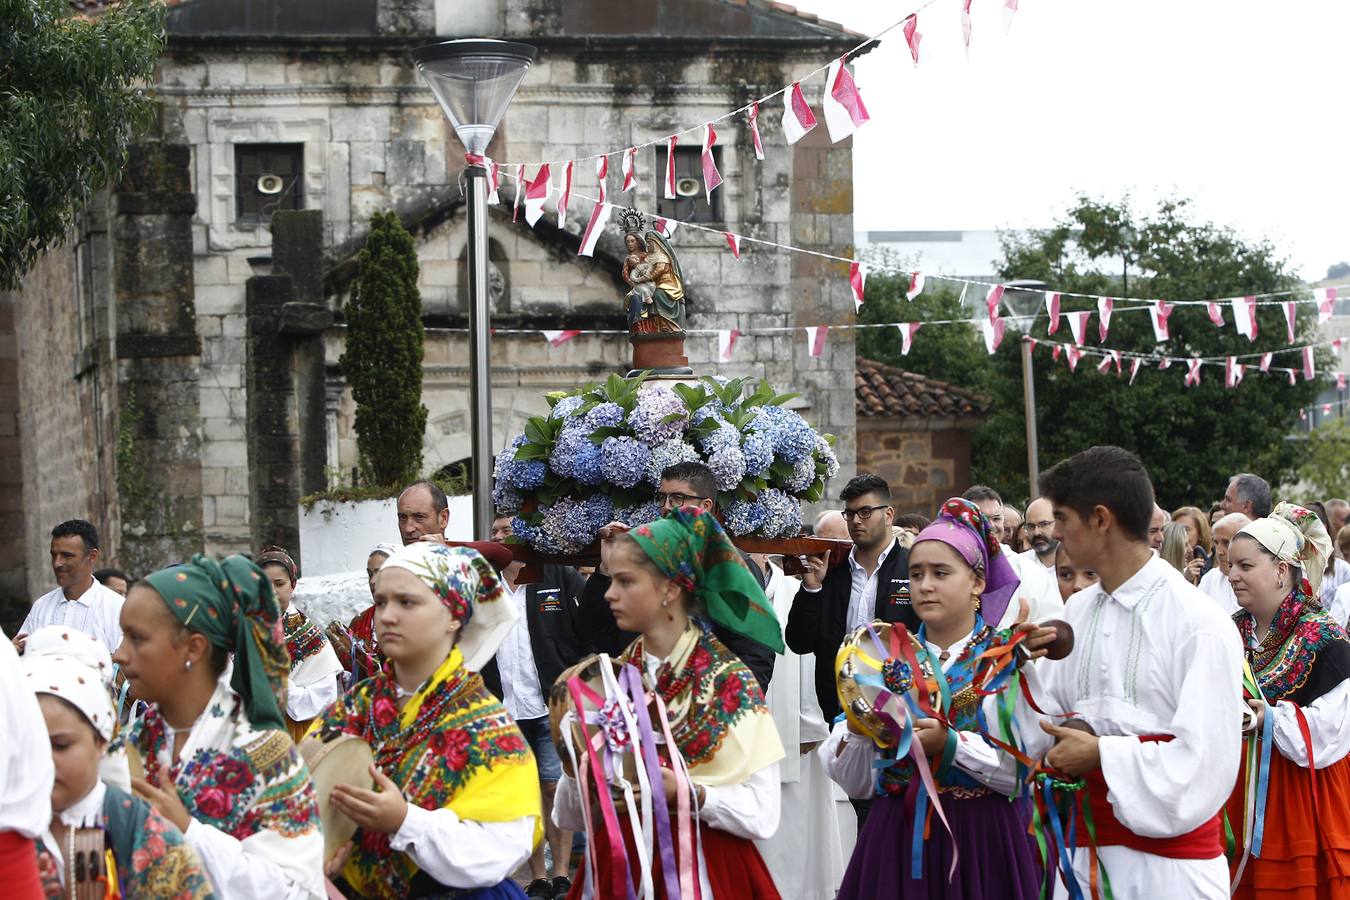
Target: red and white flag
993,333
754,130
1309,371
1326,409
1336,344
1193,372
912,36
1134,368
711,177
843,106
1159,311
1265,361
566,195
1104,307
520,186
665,227
993,299
1164,363
965,24
726,341
857,277
558,338
1290,314
815,339
1215,313
670,166
1244,316
536,194
797,116
1303,415
596,224
1340,381
601,171
1055,352
629,169
1293,380
915,285
1075,354
1115,358
1051,303
1009,7
1105,365
1232,372
1078,325
734,242
907,330
494,174
1326,303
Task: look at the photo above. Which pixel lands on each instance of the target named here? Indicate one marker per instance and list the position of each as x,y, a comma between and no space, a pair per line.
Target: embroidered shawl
303,638
717,712
1304,655
453,746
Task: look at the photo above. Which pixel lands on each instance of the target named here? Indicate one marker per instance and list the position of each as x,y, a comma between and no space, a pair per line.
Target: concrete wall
337,537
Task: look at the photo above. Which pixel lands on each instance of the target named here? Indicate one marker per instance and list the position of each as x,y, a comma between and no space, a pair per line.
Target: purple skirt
998,858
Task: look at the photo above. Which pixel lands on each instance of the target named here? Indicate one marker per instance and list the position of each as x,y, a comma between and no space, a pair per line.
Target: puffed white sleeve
567,811
747,810
1328,725
985,763
264,864
313,686
847,758
464,853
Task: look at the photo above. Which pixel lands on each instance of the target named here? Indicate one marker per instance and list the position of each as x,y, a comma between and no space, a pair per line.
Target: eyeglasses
1038,526
863,512
676,498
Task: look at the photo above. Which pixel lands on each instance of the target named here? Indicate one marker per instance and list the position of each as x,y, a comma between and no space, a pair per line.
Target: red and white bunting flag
993,333
1164,363
907,330
912,36
815,339
558,338
1104,307
1244,316
1309,370
1293,380
734,242
857,277
1009,7
601,171
1303,415
711,177
1326,409
726,341
965,24
1078,325
536,194
1115,358
1265,361
1193,372
596,224
1326,303
566,195
629,169
670,166
1051,308
1134,368
1054,354
520,186
1159,311
754,130
1290,314
797,116
1075,354
665,227
915,285
493,172
993,299
1215,313
1340,381
1232,372
843,106
1105,365
1336,344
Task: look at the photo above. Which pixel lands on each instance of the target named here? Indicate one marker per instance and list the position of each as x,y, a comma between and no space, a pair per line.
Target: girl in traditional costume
203,645
458,808
1300,658
314,682
663,574
98,830
355,643
959,580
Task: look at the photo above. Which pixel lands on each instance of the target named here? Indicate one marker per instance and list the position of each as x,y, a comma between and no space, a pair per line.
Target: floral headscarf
961,526
690,547
233,606
1296,536
466,583
74,667
279,557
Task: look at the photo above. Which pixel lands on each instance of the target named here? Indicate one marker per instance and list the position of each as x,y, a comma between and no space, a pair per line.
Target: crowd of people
1101,699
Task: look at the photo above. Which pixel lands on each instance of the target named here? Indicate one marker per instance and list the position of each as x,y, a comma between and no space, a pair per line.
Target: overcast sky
1239,105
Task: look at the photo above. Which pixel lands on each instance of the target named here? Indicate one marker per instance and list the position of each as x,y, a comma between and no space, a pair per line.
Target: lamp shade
1024,297
474,81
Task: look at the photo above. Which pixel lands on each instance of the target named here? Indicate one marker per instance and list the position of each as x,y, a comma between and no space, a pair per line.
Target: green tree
383,358
1327,467
1191,439
72,98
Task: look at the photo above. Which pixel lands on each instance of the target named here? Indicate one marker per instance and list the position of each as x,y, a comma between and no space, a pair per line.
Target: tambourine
597,715
344,760
874,670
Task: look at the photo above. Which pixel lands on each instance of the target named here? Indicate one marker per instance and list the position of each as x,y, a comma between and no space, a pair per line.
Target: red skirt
735,869
18,867
1305,851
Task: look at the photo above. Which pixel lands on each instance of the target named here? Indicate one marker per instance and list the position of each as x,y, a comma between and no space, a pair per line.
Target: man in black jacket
685,484
873,584
531,657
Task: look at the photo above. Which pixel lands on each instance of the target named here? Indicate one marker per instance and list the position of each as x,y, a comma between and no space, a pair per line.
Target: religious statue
656,298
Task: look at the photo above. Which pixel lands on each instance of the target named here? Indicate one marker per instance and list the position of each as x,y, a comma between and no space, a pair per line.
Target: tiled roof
883,390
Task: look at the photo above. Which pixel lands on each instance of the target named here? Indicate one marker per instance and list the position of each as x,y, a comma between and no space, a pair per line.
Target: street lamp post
1024,299
474,82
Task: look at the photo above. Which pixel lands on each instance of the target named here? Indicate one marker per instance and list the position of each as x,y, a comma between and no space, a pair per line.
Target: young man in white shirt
79,601
1154,682
1215,584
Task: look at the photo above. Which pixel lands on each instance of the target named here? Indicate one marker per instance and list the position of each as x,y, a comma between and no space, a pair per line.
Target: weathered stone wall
923,467
13,565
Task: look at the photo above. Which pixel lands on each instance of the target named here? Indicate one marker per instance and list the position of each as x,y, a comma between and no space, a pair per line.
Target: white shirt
1340,604
1340,574
1152,658
1214,585
463,853
313,685
83,813
1039,587
862,599
515,663
26,770
96,612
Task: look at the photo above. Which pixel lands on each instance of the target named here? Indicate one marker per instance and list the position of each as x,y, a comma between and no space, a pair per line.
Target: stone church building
170,372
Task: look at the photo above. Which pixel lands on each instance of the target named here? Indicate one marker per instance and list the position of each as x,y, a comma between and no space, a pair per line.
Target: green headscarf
232,605
690,547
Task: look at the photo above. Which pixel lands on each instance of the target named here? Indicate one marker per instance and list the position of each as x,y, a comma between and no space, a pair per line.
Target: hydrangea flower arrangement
599,453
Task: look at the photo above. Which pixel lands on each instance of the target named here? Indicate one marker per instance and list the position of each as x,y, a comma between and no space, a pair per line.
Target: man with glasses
1039,529
1040,587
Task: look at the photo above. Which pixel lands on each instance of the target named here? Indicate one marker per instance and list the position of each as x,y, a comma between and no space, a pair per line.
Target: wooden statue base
660,354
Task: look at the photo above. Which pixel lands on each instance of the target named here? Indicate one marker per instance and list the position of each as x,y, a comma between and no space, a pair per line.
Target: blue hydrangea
666,454
604,415
783,514
758,450
566,406
624,461
793,438
505,498
744,517
641,514
522,531
803,475
724,436
576,456
728,467
825,453
502,463
653,406
569,525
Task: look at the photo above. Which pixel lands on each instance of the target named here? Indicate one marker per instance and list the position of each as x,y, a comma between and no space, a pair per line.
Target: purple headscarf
961,526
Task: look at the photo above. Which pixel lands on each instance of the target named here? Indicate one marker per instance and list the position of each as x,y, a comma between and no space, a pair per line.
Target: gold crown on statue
632,222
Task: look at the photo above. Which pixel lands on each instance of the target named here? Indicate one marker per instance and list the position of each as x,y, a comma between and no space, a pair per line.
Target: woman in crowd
315,670
149,857
203,646
664,575
1173,550
1199,541
1071,578
355,645
957,577
458,805
1301,660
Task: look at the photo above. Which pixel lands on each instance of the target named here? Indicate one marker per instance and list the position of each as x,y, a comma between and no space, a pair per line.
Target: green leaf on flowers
599,435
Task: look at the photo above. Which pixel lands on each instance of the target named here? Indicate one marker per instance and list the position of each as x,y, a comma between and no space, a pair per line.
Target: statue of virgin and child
656,298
